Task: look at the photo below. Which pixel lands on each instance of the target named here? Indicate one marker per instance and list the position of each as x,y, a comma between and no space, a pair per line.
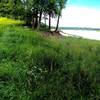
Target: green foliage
35,67
32,10
11,8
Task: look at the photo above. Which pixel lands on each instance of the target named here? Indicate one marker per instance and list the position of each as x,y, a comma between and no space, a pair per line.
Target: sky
85,3
80,13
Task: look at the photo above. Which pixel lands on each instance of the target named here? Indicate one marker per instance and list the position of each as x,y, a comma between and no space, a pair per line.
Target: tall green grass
37,67
8,21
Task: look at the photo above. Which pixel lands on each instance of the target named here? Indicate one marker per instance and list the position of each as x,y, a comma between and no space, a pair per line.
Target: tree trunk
45,20
40,17
57,23
49,21
33,22
45,23
36,21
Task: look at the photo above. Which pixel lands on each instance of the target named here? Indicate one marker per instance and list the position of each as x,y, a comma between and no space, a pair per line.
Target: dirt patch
52,33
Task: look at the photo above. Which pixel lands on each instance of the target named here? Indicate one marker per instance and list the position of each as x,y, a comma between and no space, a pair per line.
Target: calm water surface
94,35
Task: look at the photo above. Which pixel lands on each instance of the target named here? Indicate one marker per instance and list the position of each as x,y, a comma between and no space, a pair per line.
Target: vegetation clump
34,67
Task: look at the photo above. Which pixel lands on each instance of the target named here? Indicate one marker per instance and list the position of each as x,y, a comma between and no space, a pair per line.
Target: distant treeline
79,28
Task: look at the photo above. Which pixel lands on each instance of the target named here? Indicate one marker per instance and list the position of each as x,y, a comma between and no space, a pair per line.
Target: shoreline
85,34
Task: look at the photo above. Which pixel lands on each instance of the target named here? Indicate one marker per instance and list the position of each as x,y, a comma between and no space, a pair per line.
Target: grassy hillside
37,67
6,21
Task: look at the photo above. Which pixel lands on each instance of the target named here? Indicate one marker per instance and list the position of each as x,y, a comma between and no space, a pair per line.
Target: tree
31,10
51,10
61,5
11,8
18,9
35,8
5,7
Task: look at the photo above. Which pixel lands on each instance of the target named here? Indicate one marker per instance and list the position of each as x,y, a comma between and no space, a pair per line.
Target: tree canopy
32,10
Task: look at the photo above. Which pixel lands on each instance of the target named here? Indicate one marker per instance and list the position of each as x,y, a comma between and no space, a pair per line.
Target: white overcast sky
76,15
73,16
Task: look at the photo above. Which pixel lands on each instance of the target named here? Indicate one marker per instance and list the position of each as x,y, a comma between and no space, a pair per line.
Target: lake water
87,34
